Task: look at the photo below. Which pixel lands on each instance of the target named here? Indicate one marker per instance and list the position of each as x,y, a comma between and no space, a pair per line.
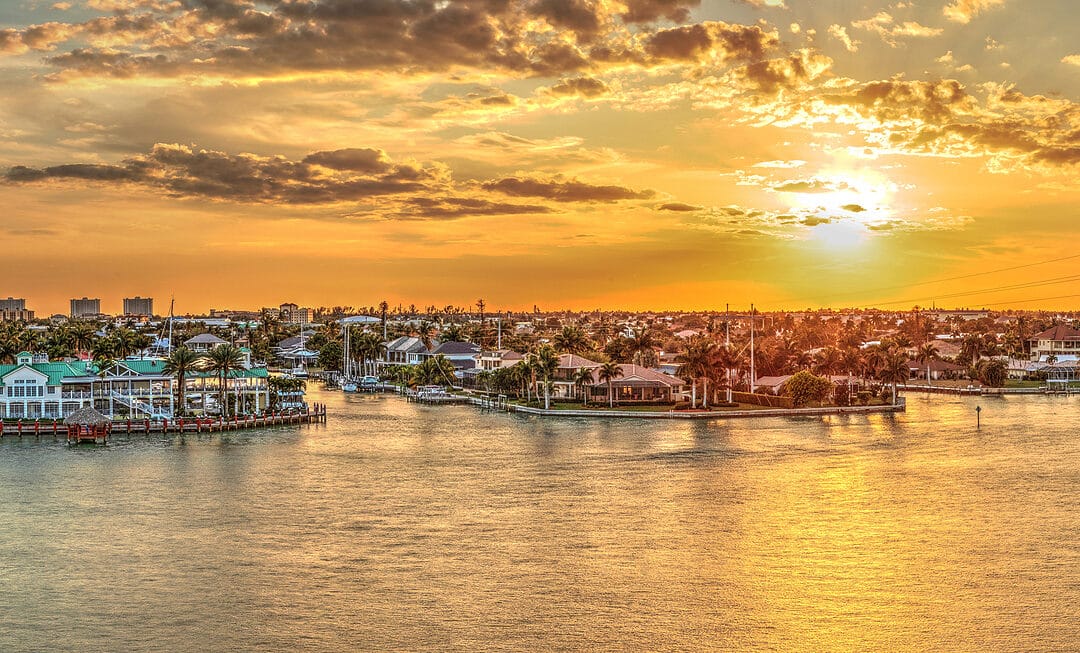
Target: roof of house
55,371
1058,332
407,344
936,365
573,362
455,347
205,339
636,373
503,354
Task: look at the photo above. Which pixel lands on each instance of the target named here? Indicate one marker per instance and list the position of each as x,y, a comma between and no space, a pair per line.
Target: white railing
75,395
135,404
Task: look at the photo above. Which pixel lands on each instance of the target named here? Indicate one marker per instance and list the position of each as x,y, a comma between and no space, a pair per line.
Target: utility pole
727,345
753,375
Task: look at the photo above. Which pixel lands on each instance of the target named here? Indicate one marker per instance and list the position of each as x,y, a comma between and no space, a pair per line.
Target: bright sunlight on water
409,528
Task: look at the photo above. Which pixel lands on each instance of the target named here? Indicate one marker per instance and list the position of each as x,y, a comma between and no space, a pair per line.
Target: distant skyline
577,154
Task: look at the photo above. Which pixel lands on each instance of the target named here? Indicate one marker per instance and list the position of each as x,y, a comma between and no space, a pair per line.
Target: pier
56,427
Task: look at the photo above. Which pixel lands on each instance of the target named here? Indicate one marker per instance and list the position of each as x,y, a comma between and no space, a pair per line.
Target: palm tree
222,360
545,363
927,352
571,340
606,373
828,361
641,344
583,378
893,370
181,362
82,336
425,332
728,359
696,363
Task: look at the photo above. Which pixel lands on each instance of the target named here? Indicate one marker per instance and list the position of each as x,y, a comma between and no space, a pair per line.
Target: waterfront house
939,369
563,379
498,359
637,385
406,350
203,342
463,355
1056,341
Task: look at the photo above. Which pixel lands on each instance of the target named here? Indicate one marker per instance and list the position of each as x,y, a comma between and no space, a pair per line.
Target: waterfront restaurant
36,388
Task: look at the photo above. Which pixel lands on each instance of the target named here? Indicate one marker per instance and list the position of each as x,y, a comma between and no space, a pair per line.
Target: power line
970,276
1000,303
1020,286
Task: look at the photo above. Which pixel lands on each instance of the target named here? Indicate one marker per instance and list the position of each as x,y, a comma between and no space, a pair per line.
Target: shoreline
899,407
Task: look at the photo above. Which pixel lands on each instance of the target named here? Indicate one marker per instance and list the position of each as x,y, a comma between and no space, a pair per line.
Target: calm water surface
405,528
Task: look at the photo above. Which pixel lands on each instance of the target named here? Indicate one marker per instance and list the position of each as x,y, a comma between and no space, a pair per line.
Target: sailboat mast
172,303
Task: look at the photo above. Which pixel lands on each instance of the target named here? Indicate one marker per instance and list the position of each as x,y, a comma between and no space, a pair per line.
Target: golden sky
565,153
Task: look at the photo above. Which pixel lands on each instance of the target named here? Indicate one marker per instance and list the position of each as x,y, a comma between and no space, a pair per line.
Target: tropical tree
222,360
992,372
894,369
641,345
434,370
927,352
452,333
696,363
583,379
82,335
606,373
728,359
571,340
545,363
425,332
828,361
181,362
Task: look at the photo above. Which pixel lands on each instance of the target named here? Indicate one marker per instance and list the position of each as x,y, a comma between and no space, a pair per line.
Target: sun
839,205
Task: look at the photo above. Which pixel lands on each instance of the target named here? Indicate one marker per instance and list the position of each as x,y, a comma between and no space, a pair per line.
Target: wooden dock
57,428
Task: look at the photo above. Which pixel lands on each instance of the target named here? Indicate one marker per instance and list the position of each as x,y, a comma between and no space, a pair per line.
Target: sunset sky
565,153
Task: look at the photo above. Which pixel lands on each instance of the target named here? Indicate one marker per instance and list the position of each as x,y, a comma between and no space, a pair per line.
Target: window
25,388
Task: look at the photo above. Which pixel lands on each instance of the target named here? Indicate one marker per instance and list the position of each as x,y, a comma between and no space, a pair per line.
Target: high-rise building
138,306
85,307
12,304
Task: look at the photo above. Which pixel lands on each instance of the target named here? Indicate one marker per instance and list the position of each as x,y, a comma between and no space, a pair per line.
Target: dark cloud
795,71
898,100
813,220
359,159
459,207
403,189
560,189
809,186
578,16
853,208
694,42
321,178
526,37
645,11
678,206
583,86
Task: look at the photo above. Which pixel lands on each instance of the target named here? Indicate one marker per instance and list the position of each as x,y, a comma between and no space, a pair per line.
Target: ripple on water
399,527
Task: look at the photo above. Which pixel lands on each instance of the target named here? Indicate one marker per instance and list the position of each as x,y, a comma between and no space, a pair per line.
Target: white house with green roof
43,389
138,389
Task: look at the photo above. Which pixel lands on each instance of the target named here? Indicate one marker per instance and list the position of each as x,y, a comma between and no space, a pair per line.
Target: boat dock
57,428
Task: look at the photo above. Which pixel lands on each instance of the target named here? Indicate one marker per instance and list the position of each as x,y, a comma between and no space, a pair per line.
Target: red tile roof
1058,332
